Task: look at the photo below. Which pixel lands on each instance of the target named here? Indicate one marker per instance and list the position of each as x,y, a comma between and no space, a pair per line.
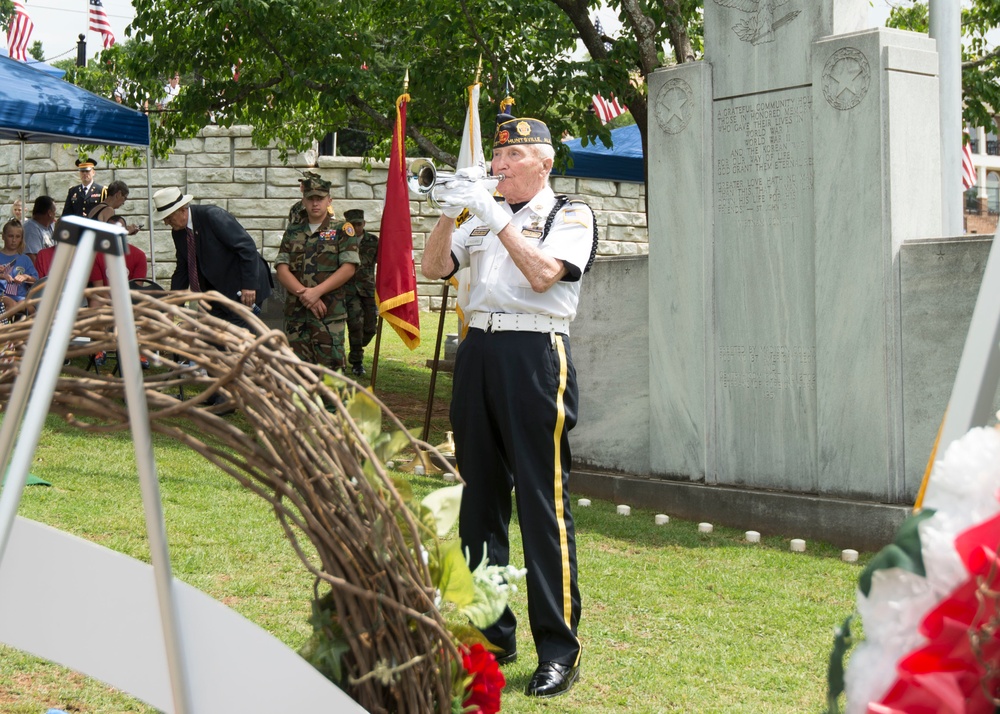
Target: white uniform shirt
169,94
497,285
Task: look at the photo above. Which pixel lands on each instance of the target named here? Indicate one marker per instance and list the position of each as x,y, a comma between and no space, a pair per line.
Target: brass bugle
424,178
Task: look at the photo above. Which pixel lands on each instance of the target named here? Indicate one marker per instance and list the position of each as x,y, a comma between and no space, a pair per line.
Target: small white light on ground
418,470
661,520
624,510
849,555
583,502
753,537
704,527
390,464
798,545
449,476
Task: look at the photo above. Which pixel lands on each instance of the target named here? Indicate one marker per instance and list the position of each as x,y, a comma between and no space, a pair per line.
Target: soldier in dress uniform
514,391
82,198
362,314
316,258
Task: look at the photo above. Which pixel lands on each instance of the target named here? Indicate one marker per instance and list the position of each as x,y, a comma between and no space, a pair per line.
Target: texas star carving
760,27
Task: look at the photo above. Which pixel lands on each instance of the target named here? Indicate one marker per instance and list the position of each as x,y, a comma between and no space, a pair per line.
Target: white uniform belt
518,322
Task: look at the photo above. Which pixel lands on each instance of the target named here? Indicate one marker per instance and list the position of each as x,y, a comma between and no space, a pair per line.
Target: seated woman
17,272
115,199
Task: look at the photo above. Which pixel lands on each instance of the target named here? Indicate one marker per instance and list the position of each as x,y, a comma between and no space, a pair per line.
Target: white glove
478,198
449,210
472,173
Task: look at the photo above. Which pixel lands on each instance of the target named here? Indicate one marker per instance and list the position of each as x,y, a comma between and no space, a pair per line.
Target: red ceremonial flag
606,111
395,274
99,23
18,33
969,177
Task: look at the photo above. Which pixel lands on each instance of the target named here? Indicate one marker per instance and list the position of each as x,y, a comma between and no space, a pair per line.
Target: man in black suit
226,257
82,198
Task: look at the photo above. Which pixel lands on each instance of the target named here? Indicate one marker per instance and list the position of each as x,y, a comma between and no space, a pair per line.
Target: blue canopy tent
45,67
622,162
37,107
40,108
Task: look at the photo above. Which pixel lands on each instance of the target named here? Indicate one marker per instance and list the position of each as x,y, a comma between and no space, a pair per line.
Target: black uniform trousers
514,400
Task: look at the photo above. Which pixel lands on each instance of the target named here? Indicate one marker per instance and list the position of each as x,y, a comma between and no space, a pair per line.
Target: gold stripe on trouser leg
558,482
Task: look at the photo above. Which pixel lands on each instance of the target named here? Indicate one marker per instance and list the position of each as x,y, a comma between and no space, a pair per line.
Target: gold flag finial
406,81
479,69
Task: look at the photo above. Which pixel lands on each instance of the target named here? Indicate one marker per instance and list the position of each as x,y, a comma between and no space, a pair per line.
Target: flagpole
946,27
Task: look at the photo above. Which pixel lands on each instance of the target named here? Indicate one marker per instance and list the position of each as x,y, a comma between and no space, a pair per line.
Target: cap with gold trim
513,131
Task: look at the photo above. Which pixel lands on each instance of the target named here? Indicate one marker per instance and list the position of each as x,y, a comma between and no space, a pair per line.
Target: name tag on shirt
529,233
477,235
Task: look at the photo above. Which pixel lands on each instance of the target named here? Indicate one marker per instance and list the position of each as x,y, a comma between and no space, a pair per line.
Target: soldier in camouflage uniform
362,314
314,261
297,213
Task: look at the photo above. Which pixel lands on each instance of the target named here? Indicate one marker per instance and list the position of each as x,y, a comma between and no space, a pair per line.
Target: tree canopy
296,69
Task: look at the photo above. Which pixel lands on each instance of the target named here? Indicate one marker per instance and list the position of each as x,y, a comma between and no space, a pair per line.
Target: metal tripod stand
79,240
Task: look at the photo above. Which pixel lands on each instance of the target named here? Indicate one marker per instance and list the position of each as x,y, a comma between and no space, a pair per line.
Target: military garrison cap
512,131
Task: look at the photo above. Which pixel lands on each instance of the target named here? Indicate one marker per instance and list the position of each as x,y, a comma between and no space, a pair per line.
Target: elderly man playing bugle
514,390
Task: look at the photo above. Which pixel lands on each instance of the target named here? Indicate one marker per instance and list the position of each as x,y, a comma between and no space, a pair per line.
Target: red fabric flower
487,680
945,676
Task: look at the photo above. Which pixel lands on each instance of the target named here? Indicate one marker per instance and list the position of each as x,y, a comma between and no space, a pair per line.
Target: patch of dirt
412,410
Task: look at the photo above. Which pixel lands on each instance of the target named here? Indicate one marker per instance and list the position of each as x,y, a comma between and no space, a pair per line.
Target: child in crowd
17,272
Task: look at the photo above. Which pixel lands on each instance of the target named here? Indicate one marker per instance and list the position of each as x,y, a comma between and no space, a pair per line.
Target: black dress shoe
505,656
225,407
552,679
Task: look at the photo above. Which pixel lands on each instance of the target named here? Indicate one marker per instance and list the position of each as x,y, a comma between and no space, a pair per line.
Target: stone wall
221,166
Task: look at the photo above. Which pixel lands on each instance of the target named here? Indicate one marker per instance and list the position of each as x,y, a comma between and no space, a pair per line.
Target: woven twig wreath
304,456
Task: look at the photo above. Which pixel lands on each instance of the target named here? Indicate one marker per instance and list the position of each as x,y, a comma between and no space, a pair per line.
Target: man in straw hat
214,252
82,198
514,389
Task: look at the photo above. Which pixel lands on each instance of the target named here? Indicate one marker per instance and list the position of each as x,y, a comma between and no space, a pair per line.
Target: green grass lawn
673,620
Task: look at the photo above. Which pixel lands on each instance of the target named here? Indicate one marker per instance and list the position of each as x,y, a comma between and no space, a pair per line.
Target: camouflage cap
307,175
354,214
315,187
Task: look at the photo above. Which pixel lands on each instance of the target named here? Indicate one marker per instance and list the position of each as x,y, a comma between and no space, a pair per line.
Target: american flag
18,33
99,23
969,177
606,111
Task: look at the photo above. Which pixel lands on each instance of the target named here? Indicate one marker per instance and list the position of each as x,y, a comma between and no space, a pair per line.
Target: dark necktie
193,281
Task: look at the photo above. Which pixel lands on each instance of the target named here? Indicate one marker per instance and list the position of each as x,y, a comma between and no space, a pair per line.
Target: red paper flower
487,680
945,676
